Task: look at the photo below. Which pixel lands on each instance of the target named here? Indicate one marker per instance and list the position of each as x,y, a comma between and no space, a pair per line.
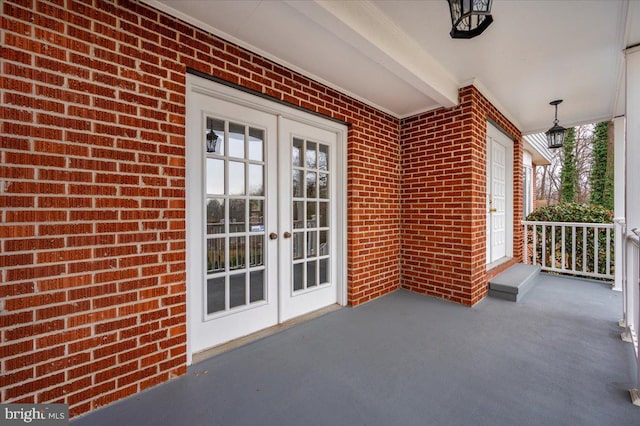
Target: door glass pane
256,182
215,255
236,253
298,184
311,185
256,251
256,144
215,295
311,243
311,274
256,215
296,152
215,216
237,290
298,214
298,277
298,244
323,157
324,271
215,176
311,155
323,244
323,214
311,214
236,215
256,286
236,178
323,183
236,140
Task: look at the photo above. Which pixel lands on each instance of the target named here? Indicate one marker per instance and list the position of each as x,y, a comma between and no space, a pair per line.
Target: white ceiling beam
366,28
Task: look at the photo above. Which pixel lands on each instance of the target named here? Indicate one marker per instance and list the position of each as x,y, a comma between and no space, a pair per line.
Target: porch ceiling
398,56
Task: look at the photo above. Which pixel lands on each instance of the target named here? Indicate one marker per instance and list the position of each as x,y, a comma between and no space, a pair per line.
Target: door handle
492,210
273,236
287,234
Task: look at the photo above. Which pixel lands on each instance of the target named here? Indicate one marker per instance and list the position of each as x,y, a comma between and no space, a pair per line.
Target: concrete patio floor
555,358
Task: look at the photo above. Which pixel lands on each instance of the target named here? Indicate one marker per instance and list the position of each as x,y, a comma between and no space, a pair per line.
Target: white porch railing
581,249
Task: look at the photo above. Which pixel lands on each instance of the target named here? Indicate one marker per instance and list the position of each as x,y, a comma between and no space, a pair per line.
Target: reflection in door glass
311,185
215,176
215,216
215,255
215,295
236,215
297,184
311,155
237,290
256,185
324,271
236,253
256,144
296,152
323,157
298,278
311,274
256,286
236,140
236,178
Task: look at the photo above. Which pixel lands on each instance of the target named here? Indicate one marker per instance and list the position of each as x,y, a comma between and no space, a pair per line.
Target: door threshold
241,341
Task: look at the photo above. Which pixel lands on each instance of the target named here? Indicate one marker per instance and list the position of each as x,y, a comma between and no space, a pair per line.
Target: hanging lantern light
555,135
469,18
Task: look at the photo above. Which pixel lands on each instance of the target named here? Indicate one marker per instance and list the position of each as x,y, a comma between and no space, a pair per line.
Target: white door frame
496,135
207,87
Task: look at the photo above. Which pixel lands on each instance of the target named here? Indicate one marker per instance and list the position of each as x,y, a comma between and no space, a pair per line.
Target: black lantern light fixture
555,135
212,142
469,18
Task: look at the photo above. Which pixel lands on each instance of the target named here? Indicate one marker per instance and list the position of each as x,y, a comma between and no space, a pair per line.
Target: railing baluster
584,248
573,248
526,244
553,246
608,269
535,246
596,251
563,246
544,245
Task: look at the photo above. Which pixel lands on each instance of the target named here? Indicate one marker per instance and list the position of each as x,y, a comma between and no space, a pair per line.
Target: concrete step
514,283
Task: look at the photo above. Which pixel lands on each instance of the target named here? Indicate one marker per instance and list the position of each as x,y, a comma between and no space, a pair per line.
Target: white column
632,113
619,189
632,183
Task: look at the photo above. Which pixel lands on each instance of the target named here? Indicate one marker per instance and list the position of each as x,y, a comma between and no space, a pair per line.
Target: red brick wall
92,230
443,245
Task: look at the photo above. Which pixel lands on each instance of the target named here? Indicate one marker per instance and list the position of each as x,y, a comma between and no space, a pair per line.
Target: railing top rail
634,239
577,224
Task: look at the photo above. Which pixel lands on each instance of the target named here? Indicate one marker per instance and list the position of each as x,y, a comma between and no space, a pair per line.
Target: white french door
232,264
308,215
263,193
499,195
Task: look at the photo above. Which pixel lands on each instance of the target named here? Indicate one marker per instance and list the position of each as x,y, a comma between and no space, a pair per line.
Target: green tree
601,178
568,175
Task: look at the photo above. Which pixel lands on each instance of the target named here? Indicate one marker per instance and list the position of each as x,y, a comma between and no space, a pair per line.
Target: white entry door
262,243
499,195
